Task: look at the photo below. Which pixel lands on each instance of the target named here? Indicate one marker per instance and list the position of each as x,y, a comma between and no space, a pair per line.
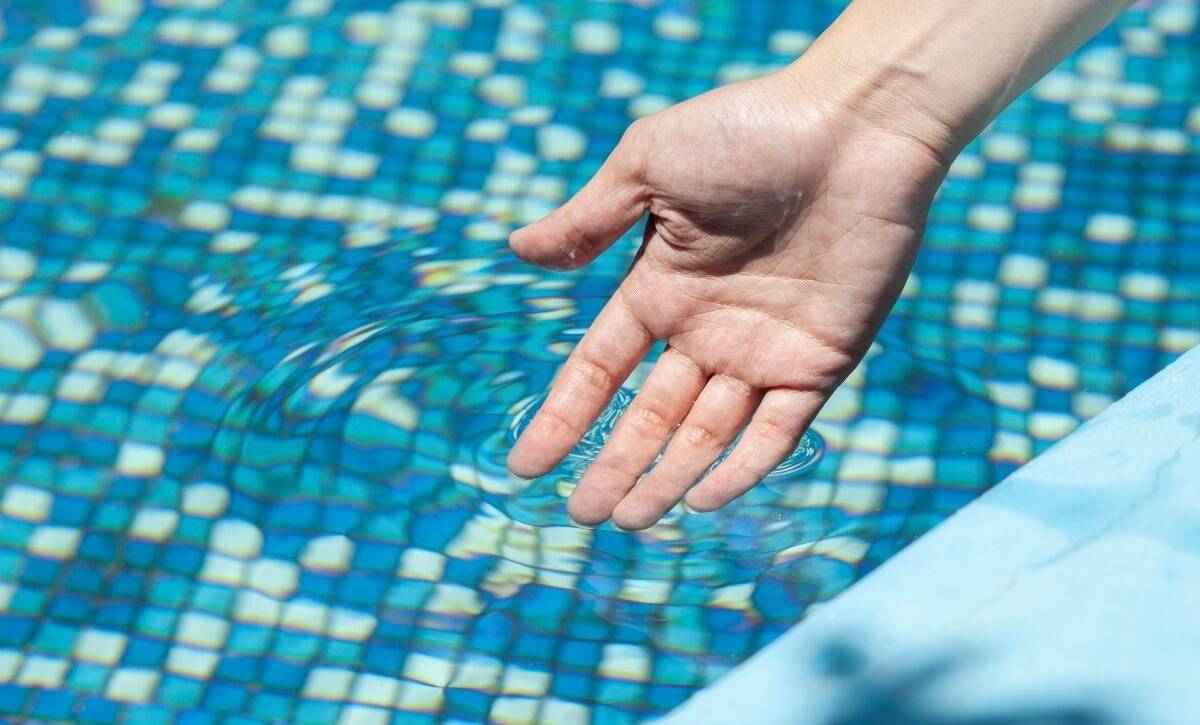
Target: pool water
263,349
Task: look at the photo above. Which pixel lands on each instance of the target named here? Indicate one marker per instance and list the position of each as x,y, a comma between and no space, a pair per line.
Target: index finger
601,361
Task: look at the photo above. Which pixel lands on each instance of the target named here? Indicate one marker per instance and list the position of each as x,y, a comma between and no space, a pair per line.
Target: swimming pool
262,346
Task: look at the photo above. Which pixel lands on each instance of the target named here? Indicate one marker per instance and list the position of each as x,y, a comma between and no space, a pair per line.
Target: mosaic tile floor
261,346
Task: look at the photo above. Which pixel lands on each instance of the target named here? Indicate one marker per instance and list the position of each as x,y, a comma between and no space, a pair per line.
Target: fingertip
538,244
703,500
523,470
521,242
526,469
631,518
587,506
582,516
525,461
522,238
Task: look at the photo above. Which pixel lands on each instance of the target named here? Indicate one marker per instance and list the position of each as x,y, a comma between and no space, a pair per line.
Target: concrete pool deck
1069,593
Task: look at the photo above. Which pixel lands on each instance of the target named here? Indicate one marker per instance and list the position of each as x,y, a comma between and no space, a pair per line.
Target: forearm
940,70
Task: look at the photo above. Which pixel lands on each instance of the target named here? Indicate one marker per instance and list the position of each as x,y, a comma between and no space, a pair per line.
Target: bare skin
785,215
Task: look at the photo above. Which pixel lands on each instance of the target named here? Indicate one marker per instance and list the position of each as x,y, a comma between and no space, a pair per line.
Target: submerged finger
662,403
599,364
719,413
772,435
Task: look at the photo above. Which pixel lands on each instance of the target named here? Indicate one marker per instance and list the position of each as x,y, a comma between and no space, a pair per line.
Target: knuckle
698,435
775,431
593,374
745,472
738,387
635,130
603,472
689,366
630,154
558,421
648,421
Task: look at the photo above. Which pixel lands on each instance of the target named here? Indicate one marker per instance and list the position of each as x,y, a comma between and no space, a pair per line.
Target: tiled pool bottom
259,335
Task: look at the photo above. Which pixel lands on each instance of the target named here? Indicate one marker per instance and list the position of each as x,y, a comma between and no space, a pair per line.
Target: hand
782,229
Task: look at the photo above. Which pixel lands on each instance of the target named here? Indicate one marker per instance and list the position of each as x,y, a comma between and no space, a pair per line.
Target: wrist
877,98
938,71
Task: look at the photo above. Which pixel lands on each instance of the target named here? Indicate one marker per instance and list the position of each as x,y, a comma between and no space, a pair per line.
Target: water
791,470
263,352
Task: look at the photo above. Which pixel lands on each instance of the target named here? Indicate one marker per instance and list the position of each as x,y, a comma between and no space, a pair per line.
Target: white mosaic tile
427,669
201,630
789,42
236,538
478,672
1111,228
10,663
41,671
53,542
360,715
26,503
154,524
1054,373
275,577
140,459
419,697
563,712
192,662
222,569
255,608
561,143
1024,271
21,350
513,710
99,646
327,553
132,684
305,615
624,662
595,37
328,683
371,689
349,624
1051,426
524,681
16,264
676,26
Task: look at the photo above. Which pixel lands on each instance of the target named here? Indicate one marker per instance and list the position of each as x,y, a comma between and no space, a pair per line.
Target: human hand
781,231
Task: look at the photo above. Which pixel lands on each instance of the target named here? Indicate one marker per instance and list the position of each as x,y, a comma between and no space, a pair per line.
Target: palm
773,253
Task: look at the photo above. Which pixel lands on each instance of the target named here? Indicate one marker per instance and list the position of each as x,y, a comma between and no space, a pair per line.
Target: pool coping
1069,590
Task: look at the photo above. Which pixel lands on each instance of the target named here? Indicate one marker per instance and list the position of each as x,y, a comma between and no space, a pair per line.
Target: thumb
604,209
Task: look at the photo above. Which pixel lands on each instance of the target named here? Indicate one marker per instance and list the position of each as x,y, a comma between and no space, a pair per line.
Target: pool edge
1062,591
